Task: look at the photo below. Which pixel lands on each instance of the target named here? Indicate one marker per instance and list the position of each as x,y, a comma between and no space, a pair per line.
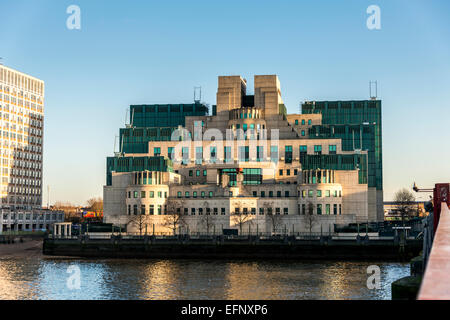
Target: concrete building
249,166
21,148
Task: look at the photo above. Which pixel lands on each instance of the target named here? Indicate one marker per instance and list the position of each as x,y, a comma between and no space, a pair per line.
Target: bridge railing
436,280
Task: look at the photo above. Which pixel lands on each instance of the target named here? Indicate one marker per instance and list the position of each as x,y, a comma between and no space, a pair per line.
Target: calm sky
131,52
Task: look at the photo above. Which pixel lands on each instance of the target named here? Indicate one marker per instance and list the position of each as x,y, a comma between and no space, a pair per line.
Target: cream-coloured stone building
21,149
249,166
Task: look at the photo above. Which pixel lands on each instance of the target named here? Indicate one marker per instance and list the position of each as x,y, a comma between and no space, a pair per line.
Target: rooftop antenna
116,153
121,146
197,94
373,84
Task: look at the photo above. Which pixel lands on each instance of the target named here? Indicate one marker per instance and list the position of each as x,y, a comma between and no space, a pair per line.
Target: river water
50,278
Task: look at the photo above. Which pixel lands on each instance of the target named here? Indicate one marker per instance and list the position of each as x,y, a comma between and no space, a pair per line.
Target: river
38,277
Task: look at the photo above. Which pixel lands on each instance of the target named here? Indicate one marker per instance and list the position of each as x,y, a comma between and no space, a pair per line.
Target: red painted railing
436,280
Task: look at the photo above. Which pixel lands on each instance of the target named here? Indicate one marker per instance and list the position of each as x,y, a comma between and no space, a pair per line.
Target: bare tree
405,204
275,219
239,217
311,218
96,205
174,217
72,213
140,221
207,220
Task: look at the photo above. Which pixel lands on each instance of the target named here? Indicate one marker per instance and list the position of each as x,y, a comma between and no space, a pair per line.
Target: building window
288,154
340,209
215,211
198,155
259,153
190,173
255,194
227,154
211,194
303,133
319,208
285,210
263,194
193,211
261,211
186,211
327,193
332,149
310,193
303,122
179,194
186,194
142,194
185,155
143,209
159,194
277,211
194,194
274,154
197,173
222,211
244,154
286,194
288,172
253,211
309,122
278,194
135,209
152,194
203,194
280,173
303,153
156,151
170,152
296,122
129,210
335,209
319,193
204,173
327,208
213,154
135,194
303,208
317,150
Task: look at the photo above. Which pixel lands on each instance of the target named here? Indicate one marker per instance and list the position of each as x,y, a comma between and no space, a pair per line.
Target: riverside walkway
436,280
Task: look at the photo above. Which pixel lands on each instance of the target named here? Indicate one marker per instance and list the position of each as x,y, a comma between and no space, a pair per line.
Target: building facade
21,147
249,166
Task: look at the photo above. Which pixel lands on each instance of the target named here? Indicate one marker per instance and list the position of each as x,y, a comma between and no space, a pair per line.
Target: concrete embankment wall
233,249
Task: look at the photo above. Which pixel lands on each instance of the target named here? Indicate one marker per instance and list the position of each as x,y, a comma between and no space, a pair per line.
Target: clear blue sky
130,52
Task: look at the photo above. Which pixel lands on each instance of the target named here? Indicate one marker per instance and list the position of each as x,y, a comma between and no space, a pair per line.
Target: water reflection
43,278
